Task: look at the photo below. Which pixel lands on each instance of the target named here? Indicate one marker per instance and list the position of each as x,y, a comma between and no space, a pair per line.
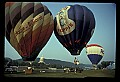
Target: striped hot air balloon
28,27
74,26
95,53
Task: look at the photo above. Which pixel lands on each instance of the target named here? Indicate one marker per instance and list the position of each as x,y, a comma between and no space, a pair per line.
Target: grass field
85,73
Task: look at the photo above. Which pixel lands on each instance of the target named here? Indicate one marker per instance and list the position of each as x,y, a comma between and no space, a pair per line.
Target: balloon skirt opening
75,52
28,58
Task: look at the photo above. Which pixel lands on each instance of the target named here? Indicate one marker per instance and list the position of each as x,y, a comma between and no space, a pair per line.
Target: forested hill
54,61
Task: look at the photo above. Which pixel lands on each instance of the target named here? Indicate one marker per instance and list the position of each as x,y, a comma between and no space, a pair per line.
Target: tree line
9,62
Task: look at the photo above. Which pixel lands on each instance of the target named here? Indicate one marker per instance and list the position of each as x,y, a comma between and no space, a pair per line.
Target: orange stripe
27,41
35,35
42,35
22,47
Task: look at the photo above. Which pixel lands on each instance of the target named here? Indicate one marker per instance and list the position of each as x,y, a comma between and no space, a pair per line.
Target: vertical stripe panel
27,25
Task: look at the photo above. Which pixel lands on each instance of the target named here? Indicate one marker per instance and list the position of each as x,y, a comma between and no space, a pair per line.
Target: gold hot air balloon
28,27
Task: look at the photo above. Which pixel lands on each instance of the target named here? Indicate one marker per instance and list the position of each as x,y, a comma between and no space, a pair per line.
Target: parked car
79,70
10,70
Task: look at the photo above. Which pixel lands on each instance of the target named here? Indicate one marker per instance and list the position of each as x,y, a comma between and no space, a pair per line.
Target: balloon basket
29,70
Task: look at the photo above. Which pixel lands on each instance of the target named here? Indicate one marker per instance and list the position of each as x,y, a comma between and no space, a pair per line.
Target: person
75,61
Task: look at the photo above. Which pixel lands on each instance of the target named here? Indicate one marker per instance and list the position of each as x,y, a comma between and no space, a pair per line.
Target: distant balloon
74,26
41,60
28,27
95,53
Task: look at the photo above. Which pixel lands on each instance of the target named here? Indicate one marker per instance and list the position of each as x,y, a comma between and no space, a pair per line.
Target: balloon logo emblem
74,26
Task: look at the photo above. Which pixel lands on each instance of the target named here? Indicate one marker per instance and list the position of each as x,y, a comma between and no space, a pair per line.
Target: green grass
85,73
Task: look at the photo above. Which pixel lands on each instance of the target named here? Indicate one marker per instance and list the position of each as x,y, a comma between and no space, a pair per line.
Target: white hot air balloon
41,59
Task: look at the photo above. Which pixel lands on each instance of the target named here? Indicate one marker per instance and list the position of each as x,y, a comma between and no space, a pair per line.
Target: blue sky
104,34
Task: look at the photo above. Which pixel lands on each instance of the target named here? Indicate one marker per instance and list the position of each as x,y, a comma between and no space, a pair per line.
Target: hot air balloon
95,53
74,26
41,60
28,27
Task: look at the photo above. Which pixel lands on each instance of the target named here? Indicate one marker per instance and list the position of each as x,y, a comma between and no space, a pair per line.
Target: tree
7,62
99,66
105,63
14,63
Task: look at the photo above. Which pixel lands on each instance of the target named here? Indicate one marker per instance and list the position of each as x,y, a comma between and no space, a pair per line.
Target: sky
104,34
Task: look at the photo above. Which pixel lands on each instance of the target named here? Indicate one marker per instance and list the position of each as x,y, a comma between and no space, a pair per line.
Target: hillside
58,62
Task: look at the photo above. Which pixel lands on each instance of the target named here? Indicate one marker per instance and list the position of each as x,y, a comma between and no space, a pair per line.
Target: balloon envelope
95,53
74,26
28,27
